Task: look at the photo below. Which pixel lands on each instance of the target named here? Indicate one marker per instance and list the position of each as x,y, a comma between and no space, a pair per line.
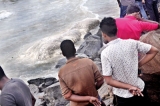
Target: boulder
61,62
105,92
87,35
153,38
53,97
97,61
35,92
45,81
91,46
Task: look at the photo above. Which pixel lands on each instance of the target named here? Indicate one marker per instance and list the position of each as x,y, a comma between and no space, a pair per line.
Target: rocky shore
47,90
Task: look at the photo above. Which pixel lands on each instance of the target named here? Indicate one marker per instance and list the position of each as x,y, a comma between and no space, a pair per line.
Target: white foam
84,8
4,14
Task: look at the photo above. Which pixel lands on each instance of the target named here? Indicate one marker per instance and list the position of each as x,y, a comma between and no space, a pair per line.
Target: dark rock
97,61
61,62
91,46
45,81
35,92
87,35
53,97
152,83
81,55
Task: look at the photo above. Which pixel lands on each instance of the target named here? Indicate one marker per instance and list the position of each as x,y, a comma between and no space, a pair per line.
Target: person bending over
132,25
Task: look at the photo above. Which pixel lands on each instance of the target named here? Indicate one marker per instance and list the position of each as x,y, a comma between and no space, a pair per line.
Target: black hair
132,9
68,48
108,26
2,74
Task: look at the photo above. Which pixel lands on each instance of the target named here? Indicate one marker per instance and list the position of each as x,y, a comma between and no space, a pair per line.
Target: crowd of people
146,7
80,78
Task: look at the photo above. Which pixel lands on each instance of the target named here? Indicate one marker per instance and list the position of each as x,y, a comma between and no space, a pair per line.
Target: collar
113,41
72,59
130,17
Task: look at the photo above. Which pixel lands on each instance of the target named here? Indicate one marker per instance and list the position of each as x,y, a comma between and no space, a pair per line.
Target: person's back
120,65
130,27
16,93
123,56
79,75
79,78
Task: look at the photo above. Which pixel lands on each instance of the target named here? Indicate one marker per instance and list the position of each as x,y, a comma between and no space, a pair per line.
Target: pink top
131,28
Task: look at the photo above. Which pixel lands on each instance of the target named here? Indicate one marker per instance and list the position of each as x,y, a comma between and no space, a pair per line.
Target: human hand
135,91
95,101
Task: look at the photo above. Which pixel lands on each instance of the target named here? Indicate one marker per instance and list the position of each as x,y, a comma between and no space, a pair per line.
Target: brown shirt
79,76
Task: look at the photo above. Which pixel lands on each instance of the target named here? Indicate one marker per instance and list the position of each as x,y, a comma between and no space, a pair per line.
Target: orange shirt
79,76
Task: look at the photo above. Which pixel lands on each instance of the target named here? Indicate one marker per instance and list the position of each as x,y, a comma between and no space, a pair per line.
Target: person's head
2,75
68,48
133,9
108,28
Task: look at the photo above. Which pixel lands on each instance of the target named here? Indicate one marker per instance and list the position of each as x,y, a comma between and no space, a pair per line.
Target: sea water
24,22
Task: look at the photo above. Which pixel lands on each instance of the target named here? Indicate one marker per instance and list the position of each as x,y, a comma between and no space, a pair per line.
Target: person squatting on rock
14,92
132,25
120,65
79,78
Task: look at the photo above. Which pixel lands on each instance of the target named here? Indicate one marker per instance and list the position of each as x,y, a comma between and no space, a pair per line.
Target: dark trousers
152,9
133,101
123,10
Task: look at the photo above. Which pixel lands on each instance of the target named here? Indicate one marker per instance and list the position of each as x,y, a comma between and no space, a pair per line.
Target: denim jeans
123,11
152,9
143,13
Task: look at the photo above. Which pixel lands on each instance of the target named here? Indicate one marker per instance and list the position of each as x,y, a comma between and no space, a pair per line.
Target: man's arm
99,83
99,80
76,98
146,20
134,90
149,56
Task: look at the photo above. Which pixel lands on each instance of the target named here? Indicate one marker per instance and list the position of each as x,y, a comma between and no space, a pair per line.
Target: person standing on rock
14,92
123,4
79,78
140,3
120,65
152,9
132,25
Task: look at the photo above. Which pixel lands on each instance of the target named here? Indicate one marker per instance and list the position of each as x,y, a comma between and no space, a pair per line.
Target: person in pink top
132,25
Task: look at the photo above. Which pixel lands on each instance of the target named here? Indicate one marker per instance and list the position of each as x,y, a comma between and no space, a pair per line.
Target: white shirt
120,60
